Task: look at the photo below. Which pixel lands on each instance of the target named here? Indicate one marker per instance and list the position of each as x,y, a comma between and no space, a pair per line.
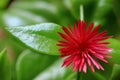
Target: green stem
81,13
78,75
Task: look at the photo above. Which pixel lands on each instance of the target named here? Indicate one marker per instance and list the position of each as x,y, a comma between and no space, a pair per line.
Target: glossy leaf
5,71
56,72
115,73
41,37
43,40
107,70
90,75
115,45
29,64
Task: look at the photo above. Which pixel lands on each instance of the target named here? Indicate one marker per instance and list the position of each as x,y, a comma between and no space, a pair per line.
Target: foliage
28,31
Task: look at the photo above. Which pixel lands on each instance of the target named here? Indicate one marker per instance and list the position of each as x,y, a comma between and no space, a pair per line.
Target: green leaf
90,75
102,9
116,8
50,10
41,37
18,17
115,45
115,73
5,72
56,72
43,6
107,70
11,20
27,16
29,64
43,9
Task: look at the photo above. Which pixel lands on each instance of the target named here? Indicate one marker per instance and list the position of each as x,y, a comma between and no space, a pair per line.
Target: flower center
83,46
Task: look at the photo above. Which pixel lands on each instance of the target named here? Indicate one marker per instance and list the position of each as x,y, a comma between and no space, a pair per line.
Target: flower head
84,47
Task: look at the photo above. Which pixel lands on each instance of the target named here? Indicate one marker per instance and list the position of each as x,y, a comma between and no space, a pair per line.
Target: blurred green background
21,59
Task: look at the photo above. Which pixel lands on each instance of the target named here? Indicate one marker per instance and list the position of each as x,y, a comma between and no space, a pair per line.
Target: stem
81,13
78,75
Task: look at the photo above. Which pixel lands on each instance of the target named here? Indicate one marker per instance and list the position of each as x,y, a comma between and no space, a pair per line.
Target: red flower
83,46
